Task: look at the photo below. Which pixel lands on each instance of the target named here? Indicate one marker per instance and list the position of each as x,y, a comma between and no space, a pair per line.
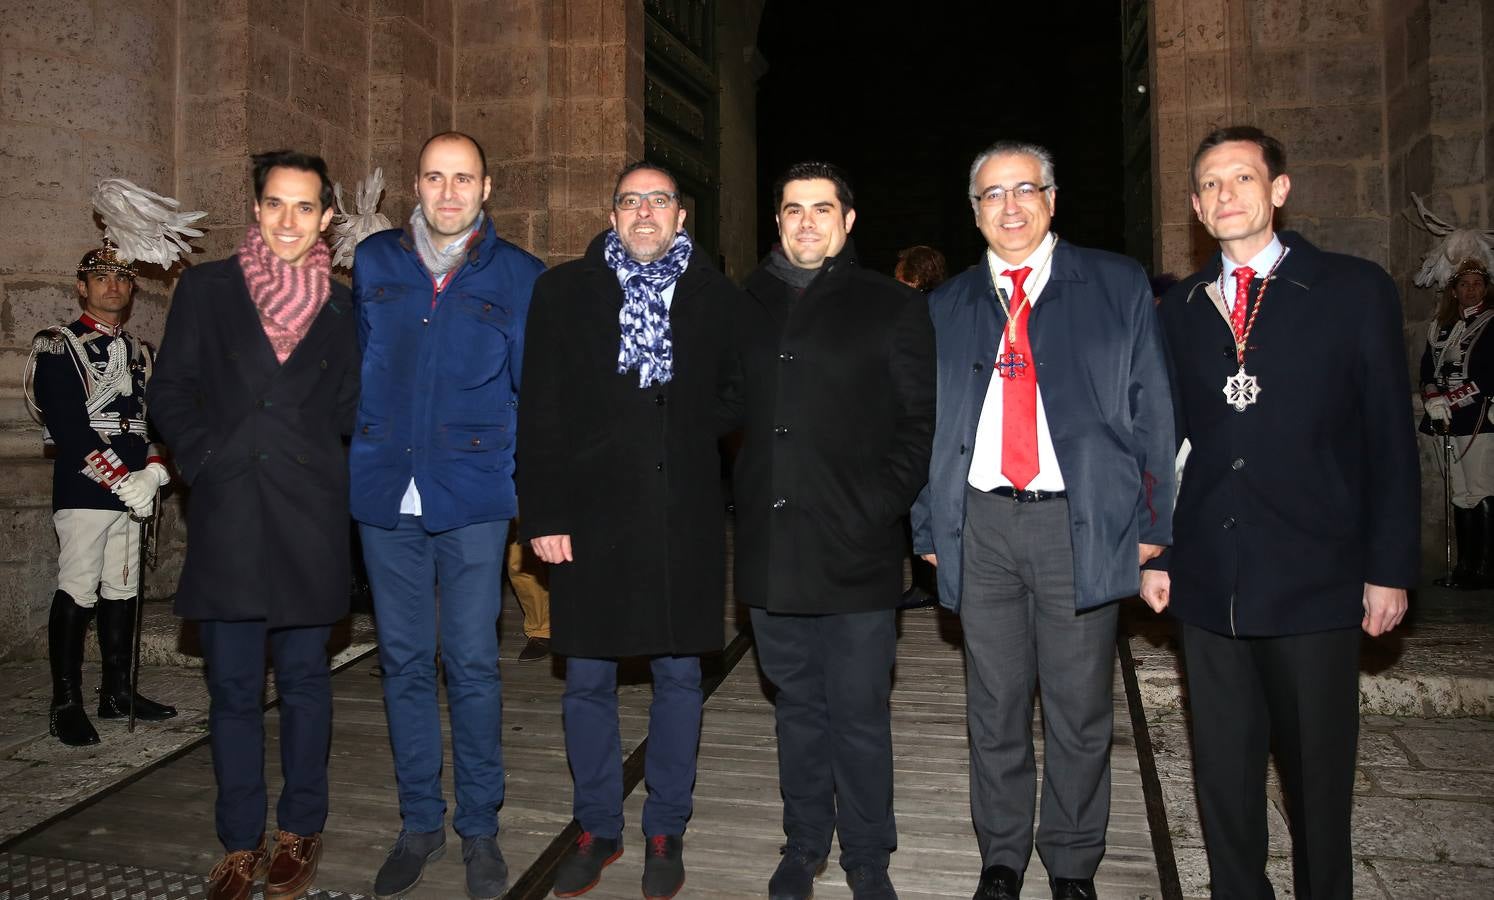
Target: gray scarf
788,273
439,262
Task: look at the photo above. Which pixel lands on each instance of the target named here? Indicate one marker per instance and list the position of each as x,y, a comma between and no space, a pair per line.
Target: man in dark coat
620,480
838,402
1051,482
1297,520
89,380
256,385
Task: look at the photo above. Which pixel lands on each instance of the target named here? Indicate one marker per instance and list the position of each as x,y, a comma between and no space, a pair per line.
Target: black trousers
1296,695
834,679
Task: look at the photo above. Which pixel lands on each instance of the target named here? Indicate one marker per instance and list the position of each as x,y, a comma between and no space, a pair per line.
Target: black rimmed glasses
996,193
654,200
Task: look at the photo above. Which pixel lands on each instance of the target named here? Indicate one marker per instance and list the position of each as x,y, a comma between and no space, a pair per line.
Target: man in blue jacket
1049,485
441,309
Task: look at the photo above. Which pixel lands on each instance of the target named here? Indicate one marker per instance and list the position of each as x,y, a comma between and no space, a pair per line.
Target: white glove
138,489
1438,408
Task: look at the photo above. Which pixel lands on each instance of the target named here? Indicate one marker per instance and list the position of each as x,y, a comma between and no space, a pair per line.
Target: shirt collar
1260,263
999,265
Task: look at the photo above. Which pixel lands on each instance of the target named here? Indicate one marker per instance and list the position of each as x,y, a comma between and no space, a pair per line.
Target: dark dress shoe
794,877
292,865
535,649
999,883
1073,888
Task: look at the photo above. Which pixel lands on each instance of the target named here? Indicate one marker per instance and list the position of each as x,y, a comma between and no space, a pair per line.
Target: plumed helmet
104,259
1470,266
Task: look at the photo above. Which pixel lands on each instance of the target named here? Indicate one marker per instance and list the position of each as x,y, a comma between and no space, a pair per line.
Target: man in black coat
256,384
838,405
89,381
620,481
1296,526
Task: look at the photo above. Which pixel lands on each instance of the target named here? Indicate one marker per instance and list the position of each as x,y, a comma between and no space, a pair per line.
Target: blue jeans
235,657
405,565
594,745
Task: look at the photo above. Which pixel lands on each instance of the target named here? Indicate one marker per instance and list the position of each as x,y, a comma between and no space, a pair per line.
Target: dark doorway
904,95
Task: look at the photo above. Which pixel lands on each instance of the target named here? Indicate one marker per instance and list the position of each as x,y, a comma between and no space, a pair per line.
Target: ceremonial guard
86,380
1457,374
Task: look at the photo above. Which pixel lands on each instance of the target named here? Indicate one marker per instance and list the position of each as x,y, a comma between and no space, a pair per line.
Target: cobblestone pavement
1424,790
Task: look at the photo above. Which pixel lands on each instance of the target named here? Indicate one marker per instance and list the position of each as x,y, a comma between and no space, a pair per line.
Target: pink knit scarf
287,297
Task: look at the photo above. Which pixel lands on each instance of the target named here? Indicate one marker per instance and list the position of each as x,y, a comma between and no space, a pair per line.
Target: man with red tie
1050,483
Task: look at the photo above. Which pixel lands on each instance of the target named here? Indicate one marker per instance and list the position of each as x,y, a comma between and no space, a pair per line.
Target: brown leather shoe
234,876
292,864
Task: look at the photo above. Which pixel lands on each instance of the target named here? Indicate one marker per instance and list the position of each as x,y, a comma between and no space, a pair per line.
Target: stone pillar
740,65
410,90
86,92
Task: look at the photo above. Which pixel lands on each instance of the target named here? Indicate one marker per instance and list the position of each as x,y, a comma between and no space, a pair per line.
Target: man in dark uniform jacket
1297,522
838,410
89,386
620,478
256,385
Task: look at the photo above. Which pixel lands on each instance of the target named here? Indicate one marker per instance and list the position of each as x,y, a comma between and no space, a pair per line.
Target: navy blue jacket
440,380
1103,373
1288,508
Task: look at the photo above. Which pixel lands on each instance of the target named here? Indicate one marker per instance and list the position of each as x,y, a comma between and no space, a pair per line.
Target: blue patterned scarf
646,343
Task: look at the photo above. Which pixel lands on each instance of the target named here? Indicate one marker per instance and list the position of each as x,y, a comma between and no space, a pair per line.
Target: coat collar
1302,267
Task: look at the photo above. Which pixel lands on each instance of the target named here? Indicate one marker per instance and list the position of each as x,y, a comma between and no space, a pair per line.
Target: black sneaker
582,868
487,873
535,649
794,877
664,867
870,882
406,861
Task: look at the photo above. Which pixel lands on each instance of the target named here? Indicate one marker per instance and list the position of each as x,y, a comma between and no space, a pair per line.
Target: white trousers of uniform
1473,471
98,554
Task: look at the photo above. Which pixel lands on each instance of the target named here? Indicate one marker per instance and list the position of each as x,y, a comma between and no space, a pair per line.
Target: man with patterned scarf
89,386
440,307
255,387
621,481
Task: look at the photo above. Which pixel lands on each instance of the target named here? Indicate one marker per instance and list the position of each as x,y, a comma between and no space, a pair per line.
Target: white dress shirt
985,458
1260,264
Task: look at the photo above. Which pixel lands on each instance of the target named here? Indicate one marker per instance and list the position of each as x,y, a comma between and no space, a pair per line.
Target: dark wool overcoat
837,399
632,474
260,444
1289,508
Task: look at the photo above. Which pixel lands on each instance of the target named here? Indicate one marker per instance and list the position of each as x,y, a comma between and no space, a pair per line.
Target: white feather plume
351,228
1456,245
144,226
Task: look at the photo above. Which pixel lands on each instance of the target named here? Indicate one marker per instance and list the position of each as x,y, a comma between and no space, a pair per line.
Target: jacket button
264,457
780,503
425,321
259,404
324,365
786,357
659,467
781,430
407,449
301,458
1229,352
365,429
487,307
1229,522
1237,465
962,449
477,442
233,354
659,399
975,368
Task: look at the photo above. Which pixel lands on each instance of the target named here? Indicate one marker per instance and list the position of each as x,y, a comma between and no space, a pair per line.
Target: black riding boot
1484,576
116,645
1468,526
66,627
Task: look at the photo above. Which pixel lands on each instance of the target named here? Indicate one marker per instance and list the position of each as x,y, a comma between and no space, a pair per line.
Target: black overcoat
1288,508
632,474
260,445
837,400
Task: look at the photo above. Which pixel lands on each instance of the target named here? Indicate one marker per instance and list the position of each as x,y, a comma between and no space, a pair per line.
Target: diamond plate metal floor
36,878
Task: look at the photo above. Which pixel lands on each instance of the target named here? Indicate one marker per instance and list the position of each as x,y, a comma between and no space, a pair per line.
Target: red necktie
1242,299
1019,453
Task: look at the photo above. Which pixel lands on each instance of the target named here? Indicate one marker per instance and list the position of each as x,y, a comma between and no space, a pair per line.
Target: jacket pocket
485,446
476,342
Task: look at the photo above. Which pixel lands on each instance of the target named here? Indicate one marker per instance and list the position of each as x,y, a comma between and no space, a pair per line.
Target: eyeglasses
654,199
996,194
